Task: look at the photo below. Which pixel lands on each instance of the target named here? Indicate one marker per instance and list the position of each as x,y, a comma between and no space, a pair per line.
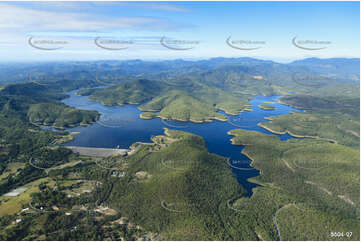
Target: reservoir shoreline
215,132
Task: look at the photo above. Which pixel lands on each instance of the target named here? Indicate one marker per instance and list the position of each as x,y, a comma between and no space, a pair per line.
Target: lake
120,126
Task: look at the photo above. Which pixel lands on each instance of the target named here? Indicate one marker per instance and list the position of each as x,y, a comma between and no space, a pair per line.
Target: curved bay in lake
121,126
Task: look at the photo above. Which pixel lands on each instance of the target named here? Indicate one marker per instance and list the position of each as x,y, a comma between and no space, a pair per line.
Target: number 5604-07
341,234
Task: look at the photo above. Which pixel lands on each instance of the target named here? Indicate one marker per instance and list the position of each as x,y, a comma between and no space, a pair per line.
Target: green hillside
128,92
186,101
316,183
178,105
185,195
59,115
335,118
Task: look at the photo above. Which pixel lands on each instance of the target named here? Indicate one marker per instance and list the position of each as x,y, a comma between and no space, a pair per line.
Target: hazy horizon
173,59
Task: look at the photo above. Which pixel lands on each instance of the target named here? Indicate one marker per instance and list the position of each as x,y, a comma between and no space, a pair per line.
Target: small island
266,107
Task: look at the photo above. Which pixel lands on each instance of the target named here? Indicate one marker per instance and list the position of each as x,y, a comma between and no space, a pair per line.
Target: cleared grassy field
12,168
11,205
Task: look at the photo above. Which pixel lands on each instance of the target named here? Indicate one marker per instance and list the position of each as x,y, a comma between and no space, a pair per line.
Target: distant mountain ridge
335,68
347,67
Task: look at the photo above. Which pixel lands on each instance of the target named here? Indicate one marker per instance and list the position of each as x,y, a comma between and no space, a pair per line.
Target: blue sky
198,30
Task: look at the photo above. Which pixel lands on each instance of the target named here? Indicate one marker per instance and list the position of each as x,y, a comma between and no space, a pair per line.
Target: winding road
275,217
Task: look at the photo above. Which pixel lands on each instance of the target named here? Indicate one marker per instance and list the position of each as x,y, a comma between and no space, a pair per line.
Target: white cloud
162,6
147,5
15,18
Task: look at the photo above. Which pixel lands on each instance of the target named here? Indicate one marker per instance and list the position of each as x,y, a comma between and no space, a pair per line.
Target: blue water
127,128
